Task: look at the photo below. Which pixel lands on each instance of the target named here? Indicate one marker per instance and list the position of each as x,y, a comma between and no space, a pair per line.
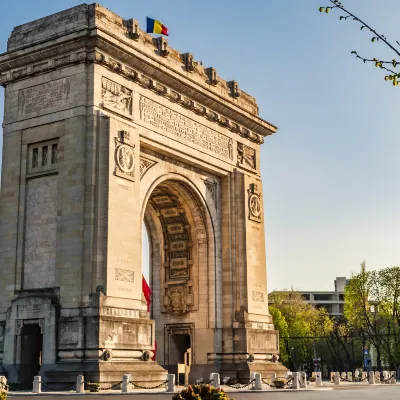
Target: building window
306,296
322,297
341,297
54,149
35,157
45,151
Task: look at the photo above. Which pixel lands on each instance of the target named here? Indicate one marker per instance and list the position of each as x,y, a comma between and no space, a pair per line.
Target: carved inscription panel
41,97
184,128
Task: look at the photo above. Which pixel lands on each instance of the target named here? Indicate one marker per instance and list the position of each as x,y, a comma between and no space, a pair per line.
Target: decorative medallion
255,211
124,158
177,300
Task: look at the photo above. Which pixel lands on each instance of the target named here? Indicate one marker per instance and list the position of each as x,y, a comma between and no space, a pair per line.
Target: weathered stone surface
98,138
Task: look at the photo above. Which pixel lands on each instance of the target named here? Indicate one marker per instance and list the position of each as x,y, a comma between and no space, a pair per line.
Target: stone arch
185,262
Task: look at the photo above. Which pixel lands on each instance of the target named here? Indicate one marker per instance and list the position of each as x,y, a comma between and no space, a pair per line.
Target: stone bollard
343,376
37,384
350,376
393,377
356,375
3,383
273,378
80,384
216,382
171,382
303,380
364,376
385,376
125,383
371,378
258,382
337,378
295,381
318,379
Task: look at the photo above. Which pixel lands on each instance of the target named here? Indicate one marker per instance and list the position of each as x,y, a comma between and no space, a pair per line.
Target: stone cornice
133,75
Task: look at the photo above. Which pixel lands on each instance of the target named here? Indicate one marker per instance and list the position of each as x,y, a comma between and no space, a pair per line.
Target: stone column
37,384
295,382
80,384
303,380
371,378
318,379
171,382
216,381
258,382
125,383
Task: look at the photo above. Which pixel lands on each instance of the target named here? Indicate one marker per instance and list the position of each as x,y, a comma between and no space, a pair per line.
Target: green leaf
353,52
373,39
321,9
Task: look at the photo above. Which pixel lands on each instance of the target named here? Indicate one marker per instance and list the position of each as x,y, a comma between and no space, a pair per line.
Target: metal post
80,384
171,382
216,382
318,379
37,384
125,383
371,378
258,382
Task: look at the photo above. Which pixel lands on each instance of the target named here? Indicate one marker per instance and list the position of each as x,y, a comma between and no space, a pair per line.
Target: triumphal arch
106,127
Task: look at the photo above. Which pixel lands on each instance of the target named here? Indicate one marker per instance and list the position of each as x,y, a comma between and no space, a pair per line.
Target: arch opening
181,264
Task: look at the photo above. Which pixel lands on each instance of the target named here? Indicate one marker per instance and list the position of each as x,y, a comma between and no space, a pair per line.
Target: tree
300,325
389,66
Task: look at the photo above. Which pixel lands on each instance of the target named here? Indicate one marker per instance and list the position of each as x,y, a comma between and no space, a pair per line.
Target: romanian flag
147,295
147,292
154,26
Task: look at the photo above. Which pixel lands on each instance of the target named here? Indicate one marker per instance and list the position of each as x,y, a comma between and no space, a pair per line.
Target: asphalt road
389,392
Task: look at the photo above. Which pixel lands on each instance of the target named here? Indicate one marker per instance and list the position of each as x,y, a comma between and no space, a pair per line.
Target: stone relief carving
124,275
124,159
212,189
258,296
145,164
184,128
246,156
255,210
116,96
177,300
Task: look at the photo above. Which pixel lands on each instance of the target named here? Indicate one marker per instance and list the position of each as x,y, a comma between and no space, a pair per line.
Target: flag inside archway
147,295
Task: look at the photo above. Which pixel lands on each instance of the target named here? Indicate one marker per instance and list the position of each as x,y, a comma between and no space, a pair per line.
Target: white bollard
303,380
258,382
80,384
385,377
318,379
215,380
37,384
393,377
171,382
273,377
364,376
125,383
337,378
295,381
356,375
371,378
3,383
350,376
343,376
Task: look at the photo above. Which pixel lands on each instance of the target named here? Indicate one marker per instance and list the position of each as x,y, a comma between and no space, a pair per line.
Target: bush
3,395
201,392
93,387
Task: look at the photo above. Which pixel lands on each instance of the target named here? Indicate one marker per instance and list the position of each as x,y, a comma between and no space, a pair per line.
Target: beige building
106,127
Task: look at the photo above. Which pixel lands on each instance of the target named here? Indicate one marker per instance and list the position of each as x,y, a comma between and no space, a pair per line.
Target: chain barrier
153,387
239,386
388,379
73,385
114,386
287,383
18,387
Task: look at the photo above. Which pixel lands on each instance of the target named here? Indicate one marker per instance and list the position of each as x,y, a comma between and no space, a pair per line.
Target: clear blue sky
332,172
